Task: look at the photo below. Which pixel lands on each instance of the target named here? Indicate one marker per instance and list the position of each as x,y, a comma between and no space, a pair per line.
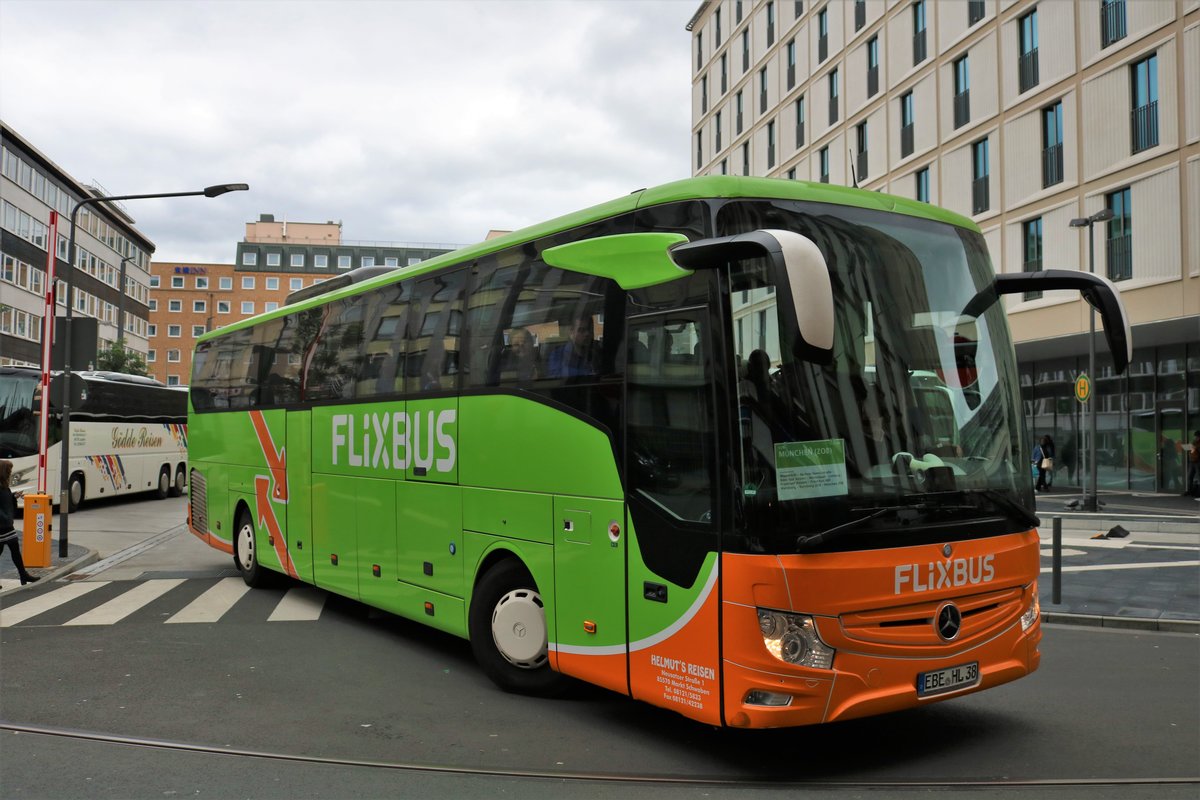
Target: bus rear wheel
180,482
245,553
507,625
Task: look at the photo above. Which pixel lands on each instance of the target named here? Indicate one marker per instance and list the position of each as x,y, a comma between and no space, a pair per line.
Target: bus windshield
18,424
914,428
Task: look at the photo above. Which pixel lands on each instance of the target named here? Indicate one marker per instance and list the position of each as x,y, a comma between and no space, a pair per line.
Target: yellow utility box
35,540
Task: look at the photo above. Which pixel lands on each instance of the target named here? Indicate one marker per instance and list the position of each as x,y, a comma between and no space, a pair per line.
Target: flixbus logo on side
395,440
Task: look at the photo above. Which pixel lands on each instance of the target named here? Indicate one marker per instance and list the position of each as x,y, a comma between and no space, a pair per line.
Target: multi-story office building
274,260
1024,116
108,248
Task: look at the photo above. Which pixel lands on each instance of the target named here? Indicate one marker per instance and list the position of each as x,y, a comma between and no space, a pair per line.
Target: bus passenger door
299,485
671,478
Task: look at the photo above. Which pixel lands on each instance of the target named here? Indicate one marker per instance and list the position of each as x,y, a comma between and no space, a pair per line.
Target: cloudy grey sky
408,120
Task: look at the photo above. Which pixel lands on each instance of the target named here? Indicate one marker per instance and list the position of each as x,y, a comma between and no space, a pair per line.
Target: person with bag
8,511
1043,460
1193,475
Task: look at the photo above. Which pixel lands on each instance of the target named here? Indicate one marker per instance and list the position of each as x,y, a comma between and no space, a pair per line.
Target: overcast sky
407,120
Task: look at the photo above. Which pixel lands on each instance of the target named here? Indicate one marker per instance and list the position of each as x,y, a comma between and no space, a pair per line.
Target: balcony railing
980,196
872,81
1052,165
962,108
822,47
1032,266
1112,22
918,47
1027,70
833,110
1120,257
906,140
1144,122
861,164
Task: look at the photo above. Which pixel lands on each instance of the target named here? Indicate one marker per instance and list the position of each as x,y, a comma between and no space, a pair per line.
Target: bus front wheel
508,632
74,492
245,553
164,483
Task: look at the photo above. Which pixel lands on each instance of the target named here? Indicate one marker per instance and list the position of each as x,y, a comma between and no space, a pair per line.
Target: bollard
1056,584
35,537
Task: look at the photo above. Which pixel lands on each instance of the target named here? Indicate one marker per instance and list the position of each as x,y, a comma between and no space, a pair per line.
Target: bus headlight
793,638
1033,612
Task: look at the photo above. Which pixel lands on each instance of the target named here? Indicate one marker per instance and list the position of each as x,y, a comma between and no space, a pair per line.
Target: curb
56,572
1123,623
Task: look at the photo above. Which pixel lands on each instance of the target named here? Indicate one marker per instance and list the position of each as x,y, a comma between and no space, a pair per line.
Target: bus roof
707,187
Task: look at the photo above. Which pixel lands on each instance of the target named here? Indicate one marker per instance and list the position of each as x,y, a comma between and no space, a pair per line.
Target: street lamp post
64,484
1090,500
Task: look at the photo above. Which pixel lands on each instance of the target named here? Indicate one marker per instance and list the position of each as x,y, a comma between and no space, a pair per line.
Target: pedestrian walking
8,512
1043,461
1193,476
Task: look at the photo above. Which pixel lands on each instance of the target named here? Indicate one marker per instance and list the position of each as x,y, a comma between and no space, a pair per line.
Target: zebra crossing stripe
212,605
126,603
45,602
302,604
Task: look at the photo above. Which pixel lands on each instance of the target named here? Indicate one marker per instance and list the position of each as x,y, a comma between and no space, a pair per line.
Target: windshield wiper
1015,510
905,514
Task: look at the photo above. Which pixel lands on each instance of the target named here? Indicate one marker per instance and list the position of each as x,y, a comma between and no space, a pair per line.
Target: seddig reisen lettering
132,437
395,441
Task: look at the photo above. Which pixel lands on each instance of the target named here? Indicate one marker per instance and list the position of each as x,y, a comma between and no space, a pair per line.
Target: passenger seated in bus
578,356
520,359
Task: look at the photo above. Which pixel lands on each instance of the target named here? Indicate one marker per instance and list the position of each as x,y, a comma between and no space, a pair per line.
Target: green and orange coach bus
748,449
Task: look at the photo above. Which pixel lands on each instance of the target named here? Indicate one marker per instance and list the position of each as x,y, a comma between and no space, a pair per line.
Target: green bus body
405,492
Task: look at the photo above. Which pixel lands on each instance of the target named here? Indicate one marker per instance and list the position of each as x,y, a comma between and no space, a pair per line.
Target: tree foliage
118,358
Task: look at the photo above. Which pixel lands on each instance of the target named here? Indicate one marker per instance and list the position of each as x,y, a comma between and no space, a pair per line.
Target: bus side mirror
797,261
1098,291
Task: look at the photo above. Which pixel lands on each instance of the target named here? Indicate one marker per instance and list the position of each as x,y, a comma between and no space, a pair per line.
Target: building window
174,331
906,124
150,356
223,306
1112,21
367,261
724,166
770,24
980,196
152,303
771,144
745,158
225,284
151,331
249,259
1027,64
923,185
745,50
699,150
791,174
762,90
833,95
704,95
791,64
155,281
247,281
724,73
295,284
962,92
1052,145
873,66
1031,259
199,306
172,380
343,262
176,281
247,306
824,161
860,136
717,132
173,356
174,305
1144,81
699,51
860,14
271,306
976,9
274,259
717,28
272,284
822,34
1120,235
800,121
297,259
321,261
197,330
919,51
201,283
737,104
797,10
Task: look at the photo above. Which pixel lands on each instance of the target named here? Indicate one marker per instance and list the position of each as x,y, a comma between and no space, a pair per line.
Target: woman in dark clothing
1046,464
8,512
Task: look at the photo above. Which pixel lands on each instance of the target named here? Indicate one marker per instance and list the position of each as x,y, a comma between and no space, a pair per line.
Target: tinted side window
220,373
434,333
337,355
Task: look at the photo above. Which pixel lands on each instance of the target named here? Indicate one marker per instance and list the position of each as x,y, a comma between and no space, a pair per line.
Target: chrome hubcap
519,629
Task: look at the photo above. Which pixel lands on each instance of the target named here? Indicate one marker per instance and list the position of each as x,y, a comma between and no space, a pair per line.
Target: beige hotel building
1022,115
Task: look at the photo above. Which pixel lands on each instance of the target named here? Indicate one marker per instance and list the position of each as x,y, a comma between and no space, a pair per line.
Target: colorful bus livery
694,445
128,434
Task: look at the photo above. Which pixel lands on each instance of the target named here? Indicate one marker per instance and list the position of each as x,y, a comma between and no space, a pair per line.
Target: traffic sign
1083,387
